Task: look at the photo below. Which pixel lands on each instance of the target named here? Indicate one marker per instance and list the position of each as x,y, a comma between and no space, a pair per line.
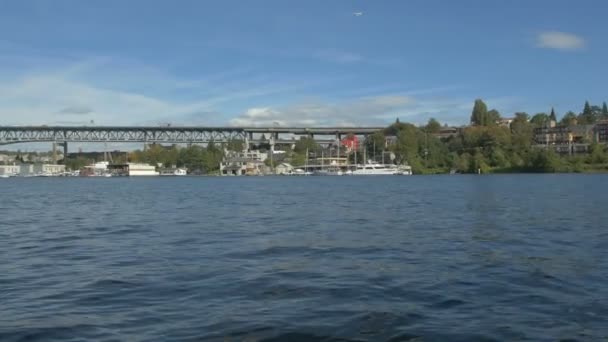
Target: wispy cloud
337,56
373,110
93,91
361,111
76,110
559,41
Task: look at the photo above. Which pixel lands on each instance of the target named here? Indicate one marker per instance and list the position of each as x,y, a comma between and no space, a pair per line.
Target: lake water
438,258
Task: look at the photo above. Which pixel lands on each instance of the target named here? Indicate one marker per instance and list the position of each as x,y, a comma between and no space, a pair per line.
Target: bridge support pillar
54,152
65,151
248,141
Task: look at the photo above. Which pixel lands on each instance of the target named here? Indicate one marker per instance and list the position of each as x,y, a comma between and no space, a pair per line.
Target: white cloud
50,99
78,93
362,111
91,90
559,40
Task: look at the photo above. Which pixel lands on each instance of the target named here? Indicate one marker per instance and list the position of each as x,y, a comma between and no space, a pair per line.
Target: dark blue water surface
438,258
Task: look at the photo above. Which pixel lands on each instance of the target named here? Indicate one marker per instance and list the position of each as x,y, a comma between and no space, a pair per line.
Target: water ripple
304,259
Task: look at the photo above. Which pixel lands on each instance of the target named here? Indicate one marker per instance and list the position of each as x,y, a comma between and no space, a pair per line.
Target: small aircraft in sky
357,14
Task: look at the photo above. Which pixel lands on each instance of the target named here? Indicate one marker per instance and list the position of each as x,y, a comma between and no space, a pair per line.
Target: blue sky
296,62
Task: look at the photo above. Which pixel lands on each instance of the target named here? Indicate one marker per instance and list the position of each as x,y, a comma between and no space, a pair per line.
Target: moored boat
376,169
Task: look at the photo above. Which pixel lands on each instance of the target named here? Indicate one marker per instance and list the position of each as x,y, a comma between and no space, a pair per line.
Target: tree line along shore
491,143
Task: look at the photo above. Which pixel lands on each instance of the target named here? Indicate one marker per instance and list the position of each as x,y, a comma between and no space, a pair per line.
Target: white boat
4,176
329,171
299,172
373,168
176,172
44,174
140,169
180,172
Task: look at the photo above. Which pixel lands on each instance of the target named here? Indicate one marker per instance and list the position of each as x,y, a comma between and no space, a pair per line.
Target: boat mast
306,161
338,156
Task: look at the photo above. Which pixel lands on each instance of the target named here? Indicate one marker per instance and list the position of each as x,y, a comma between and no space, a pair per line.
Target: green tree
589,114
394,128
462,163
522,132
306,143
552,116
540,160
407,148
433,126
374,143
597,154
235,145
569,119
492,117
480,113
540,120
587,108
76,163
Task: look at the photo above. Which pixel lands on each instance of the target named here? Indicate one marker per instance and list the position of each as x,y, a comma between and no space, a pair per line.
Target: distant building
52,169
5,158
244,163
505,122
601,131
9,170
350,143
446,132
582,133
133,169
553,135
390,140
284,168
558,135
251,155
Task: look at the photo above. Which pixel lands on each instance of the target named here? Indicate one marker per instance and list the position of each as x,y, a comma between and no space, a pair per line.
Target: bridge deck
161,134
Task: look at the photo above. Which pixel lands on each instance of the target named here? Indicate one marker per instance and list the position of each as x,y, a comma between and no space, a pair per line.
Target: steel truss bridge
169,134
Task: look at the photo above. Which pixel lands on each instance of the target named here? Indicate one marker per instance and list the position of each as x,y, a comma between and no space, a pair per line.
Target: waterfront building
9,170
48,169
569,139
601,131
350,143
558,135
244,163
553,135
133,169
284,168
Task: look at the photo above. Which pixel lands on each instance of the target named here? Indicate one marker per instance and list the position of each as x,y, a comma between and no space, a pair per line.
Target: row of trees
481,116
484,146
196,158
487,146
